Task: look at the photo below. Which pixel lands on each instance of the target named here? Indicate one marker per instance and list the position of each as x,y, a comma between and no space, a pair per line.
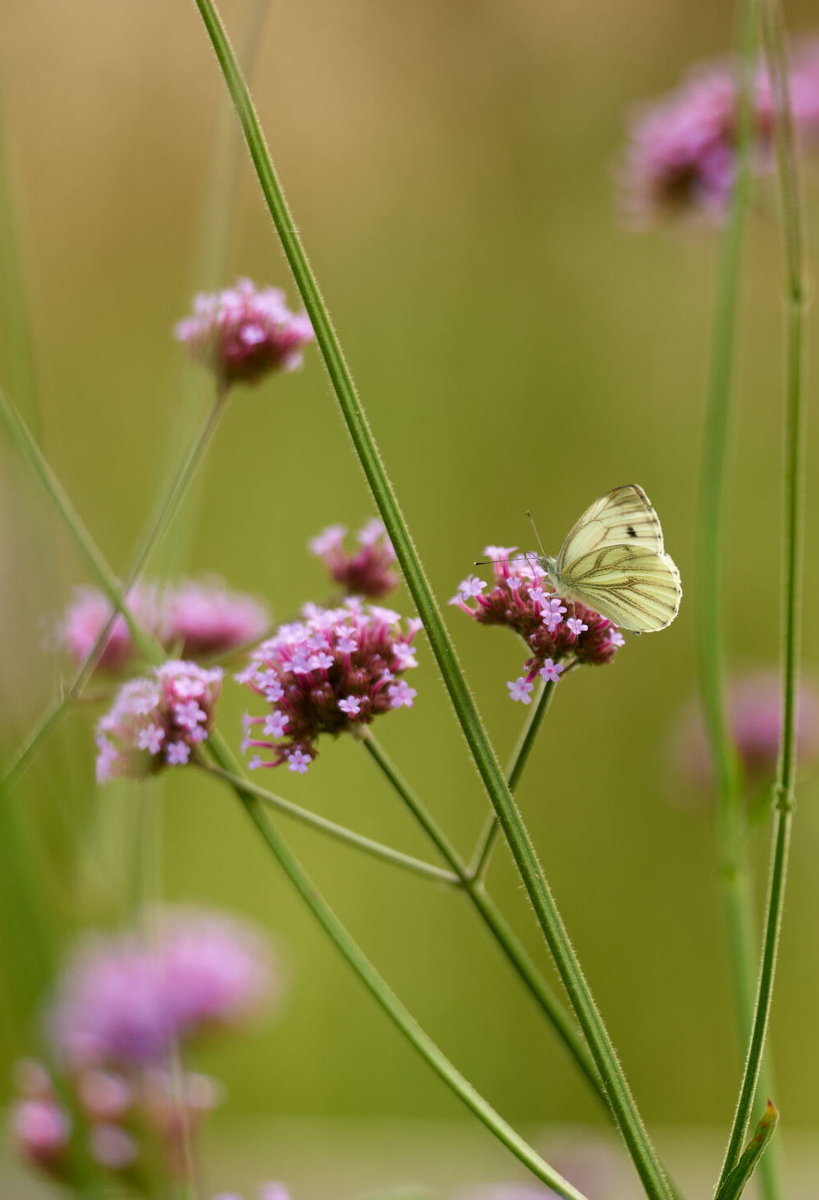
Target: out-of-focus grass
451,168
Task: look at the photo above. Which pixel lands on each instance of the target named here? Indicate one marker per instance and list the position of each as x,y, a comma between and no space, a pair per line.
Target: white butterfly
613,560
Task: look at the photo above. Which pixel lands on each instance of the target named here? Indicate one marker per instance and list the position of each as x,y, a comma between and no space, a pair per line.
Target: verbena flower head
368,570
559,634
157,721
88,614
332,672
216,970
203,618
245,332
681,155
124,1000
42,1132
754,710
681,159
192,619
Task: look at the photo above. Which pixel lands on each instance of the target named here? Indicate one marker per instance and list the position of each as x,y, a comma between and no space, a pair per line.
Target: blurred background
452,168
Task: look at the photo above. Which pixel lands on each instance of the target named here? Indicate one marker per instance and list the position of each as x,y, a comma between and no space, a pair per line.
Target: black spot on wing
632,532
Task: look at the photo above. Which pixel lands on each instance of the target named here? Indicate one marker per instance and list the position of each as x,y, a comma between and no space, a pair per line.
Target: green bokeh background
452,168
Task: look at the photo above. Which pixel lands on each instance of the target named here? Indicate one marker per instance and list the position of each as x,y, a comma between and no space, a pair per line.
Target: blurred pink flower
90,611
203,618
157,721
522,600
332,672
245,332
754,705
368,570
42,1132
681,156
124,1001
191,619
216,970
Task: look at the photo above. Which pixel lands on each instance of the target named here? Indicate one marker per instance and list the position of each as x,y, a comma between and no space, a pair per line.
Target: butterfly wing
631,584
623,516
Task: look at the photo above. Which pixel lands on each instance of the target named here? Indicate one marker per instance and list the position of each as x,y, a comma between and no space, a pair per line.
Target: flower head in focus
245,332
157,721
332,672
559,634
367,571
755,715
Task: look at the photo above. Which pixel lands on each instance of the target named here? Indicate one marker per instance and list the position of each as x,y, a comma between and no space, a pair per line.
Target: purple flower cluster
245,332
333,672
125,1000
682,154
193,619
125,1004
558,634
157,721
755,715
368,571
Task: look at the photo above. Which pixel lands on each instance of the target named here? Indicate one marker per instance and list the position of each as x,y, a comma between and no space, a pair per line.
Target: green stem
381,992
492,918
340,832
731,822
514,770
28,448
523,851
158,527
15,307
214,240
794,470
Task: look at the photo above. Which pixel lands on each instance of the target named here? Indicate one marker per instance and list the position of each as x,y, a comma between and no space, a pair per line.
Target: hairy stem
379,989
634,1134
514,770
773,40
339,832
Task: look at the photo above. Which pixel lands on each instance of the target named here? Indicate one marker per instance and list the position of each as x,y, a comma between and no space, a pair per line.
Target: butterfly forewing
624,515
629,583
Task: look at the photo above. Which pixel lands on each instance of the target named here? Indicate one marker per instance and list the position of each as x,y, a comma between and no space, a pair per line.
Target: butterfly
613,560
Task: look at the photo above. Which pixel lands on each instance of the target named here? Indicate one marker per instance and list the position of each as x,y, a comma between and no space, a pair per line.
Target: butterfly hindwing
630,583
623,516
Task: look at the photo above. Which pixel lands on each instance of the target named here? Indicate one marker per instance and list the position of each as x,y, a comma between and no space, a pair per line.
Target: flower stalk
773,40
381,992
629,1121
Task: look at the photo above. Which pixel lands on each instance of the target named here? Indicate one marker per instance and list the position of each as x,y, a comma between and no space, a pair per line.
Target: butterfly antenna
531,521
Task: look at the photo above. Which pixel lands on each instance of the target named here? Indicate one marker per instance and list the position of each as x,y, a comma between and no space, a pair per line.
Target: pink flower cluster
368,571
558,635
123,1006
127,999
245,332
194,619
157,721
332,672
755,714
682,153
